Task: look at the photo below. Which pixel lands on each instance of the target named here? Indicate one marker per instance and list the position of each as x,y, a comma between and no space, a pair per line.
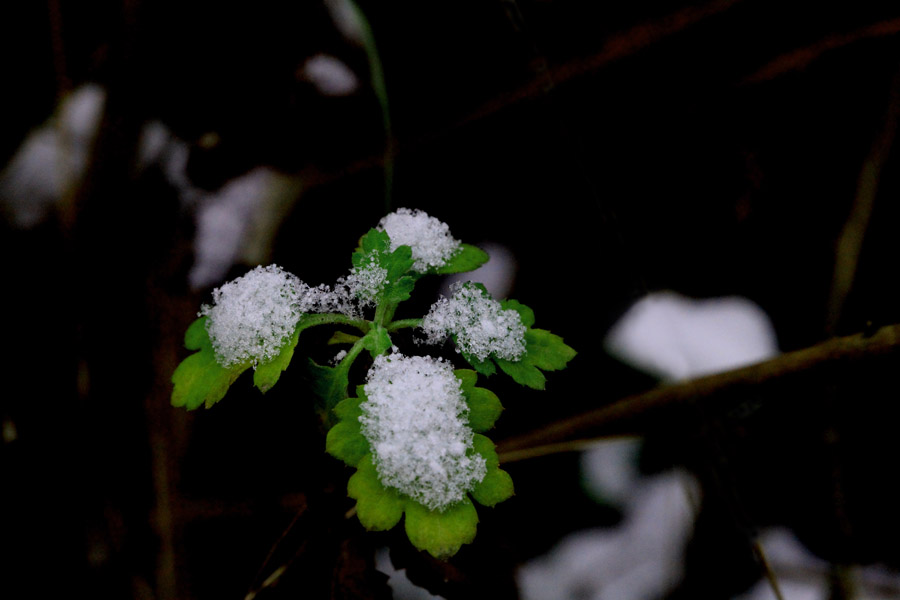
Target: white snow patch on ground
675,338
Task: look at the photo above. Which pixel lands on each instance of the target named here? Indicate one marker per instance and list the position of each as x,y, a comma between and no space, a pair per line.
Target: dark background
710,148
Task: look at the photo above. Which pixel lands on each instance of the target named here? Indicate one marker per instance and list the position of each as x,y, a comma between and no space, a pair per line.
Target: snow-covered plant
414,429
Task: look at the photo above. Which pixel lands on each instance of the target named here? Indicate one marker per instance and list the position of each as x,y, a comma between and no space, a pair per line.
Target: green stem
352,353
403,323
312,320
376,70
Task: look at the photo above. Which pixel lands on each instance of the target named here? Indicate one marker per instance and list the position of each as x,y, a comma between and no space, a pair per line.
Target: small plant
414,429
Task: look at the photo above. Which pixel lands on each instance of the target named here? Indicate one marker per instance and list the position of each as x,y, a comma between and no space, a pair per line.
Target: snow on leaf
199,379
481,327
429,239
437,529
416,421
469,258
252,317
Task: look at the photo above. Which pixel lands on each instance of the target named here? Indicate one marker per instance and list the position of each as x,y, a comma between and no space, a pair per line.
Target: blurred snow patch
402,587
52,160
641,559
497,274
231,221
673,337
803,576
609,469
347,19
330,75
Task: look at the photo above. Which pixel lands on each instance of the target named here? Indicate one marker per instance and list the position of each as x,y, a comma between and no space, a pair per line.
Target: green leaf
525,313
330,383
345,442
523,372
399,290
373,243
484,367
546,350
467,378
377,507
484,408
341,337
496,487
398,262
377,341
199,379
267,374
196,334
349,408
375,248
468,258
483,445
441,534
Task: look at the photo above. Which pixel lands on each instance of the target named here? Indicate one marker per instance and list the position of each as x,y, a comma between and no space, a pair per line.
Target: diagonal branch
850,242
636,414
799,59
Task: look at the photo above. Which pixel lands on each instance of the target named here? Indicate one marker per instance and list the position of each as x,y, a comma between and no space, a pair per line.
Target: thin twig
767,569
636,414
799,59
617,47
850,241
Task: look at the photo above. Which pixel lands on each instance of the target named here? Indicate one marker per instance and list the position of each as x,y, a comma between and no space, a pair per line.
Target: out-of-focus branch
799,59
636,414
616,47
850,242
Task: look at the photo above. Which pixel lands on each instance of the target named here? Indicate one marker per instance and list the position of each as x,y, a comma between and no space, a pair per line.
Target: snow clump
416,422
482,327
366,282
430,239
252,315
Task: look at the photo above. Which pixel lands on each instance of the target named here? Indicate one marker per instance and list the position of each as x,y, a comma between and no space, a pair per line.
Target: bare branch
636,414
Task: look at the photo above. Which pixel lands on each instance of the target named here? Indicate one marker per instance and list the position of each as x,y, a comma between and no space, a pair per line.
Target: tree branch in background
801,58
849,244
636,414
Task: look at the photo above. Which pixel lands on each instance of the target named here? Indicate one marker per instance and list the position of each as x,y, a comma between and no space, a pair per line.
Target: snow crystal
366,282
323,298
482,327
253,315
416,422
430,239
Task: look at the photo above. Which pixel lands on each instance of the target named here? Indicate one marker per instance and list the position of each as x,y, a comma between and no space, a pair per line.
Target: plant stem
313,320
403,323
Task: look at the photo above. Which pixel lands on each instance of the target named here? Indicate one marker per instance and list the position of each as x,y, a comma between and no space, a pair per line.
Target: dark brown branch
801,58
636,414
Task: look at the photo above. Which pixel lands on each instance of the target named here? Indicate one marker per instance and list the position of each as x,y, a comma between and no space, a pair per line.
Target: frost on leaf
481,326
430,239
253,316
415,419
